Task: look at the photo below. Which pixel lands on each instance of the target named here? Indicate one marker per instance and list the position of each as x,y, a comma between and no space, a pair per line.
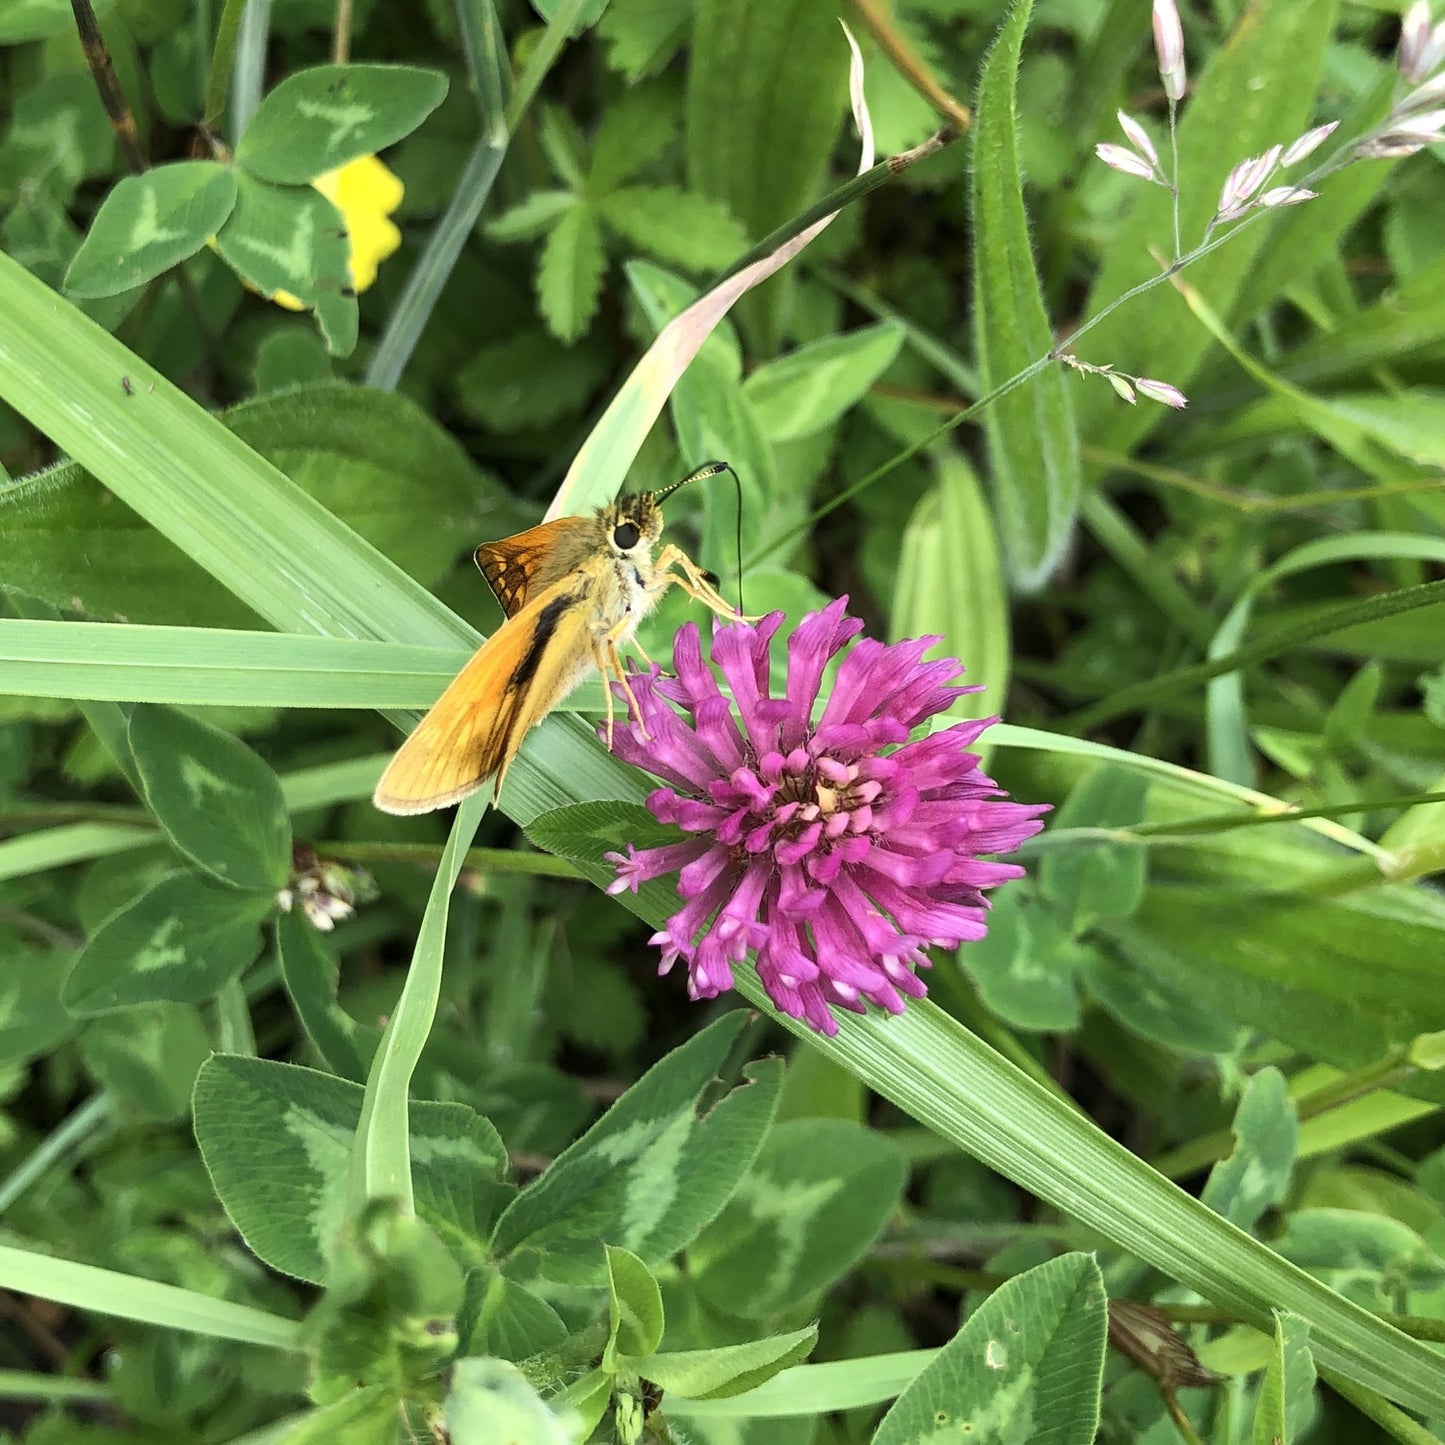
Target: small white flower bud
1434,52
1169,48
1139,136
1120,159
1229,191
1308,143
1161,391
1387,148
1426,97
317,916
1287,196
1427,126
1422,49
1122,387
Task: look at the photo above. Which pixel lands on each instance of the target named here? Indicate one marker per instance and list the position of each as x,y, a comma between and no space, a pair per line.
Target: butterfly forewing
525,565
473,730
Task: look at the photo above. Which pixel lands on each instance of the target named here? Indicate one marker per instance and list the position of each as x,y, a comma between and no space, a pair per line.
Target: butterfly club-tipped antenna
712,469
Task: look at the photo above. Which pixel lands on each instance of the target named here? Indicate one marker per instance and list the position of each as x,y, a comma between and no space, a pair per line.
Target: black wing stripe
547,620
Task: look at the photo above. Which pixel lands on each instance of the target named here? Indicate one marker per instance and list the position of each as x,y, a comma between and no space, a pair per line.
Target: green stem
1027,374
86,1120
1285,639
54,1389
1181,1420
1228,822
426,855
484,48
434,266
56,813
910,65
1408,864
1374,1406
248,71
547,51
1382,1074
835,200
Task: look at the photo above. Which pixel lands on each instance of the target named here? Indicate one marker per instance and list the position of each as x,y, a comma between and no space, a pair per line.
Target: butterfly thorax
629,529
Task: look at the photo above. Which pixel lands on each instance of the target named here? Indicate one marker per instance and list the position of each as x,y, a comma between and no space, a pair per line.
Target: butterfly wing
526,564
474,729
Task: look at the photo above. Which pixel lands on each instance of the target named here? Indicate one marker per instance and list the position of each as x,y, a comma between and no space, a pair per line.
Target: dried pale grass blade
597,470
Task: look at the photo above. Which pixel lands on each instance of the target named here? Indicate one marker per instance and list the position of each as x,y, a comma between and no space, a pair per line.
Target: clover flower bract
836,847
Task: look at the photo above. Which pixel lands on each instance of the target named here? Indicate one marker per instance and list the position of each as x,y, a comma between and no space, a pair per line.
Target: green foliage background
463,1165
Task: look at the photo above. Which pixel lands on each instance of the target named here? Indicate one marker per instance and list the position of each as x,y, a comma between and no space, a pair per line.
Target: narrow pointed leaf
1032,445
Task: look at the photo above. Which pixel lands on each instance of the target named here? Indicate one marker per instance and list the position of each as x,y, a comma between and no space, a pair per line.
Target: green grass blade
123,662
239,517
815,1389
1281,641
54,1389
73,843
86,1287
486,53
1032,443
434,266
316,787
381,1155
1226,721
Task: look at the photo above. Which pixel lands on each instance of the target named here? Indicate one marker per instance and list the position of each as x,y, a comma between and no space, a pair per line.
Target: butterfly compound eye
626,535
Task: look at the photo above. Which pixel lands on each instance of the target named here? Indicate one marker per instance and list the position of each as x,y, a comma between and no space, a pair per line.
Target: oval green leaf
1025,1368
177,943
277,1141
292,240
219,804
150,223
1032,445
318,119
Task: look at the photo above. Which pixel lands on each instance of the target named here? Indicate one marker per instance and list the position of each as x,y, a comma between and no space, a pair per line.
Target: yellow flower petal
365,192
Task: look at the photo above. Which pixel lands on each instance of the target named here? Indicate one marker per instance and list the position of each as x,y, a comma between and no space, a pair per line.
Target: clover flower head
826,838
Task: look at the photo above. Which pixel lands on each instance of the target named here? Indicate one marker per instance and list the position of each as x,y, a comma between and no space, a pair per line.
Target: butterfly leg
695,584
609,663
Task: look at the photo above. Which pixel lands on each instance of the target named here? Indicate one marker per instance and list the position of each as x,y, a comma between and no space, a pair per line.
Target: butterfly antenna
707,469
738,485
711,469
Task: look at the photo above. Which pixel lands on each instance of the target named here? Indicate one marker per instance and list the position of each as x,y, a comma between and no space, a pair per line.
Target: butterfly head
632,524
637,519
